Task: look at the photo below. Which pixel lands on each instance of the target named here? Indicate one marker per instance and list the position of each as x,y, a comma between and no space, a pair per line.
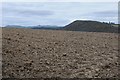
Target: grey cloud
105,13
36,12
25,10
28,12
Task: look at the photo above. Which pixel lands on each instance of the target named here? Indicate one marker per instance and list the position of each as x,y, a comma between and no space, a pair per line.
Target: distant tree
112,23
105,22
39,25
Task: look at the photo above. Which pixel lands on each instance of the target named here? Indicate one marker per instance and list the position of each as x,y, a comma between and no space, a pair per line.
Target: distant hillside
46,27
15,26
78,25
90,26
49,27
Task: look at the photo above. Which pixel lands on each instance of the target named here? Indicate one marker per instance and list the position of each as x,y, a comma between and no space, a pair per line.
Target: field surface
29,53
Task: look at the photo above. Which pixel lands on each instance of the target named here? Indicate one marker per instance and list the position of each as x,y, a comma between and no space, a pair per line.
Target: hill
45,27
14,26
78,25
90,26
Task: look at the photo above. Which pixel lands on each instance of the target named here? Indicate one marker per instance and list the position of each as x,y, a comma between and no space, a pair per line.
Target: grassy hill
78,25
90,26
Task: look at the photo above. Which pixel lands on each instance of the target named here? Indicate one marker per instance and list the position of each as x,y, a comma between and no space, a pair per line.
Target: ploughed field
30,53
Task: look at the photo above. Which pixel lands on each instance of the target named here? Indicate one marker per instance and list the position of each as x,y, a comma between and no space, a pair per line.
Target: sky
57,13
59,1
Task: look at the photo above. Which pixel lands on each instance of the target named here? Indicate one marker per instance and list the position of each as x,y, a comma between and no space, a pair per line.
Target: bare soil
29,53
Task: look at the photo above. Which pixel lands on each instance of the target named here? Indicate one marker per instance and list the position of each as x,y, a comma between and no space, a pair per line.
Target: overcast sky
57,13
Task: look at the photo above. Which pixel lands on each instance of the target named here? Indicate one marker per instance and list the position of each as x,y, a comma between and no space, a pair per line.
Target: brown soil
29,53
